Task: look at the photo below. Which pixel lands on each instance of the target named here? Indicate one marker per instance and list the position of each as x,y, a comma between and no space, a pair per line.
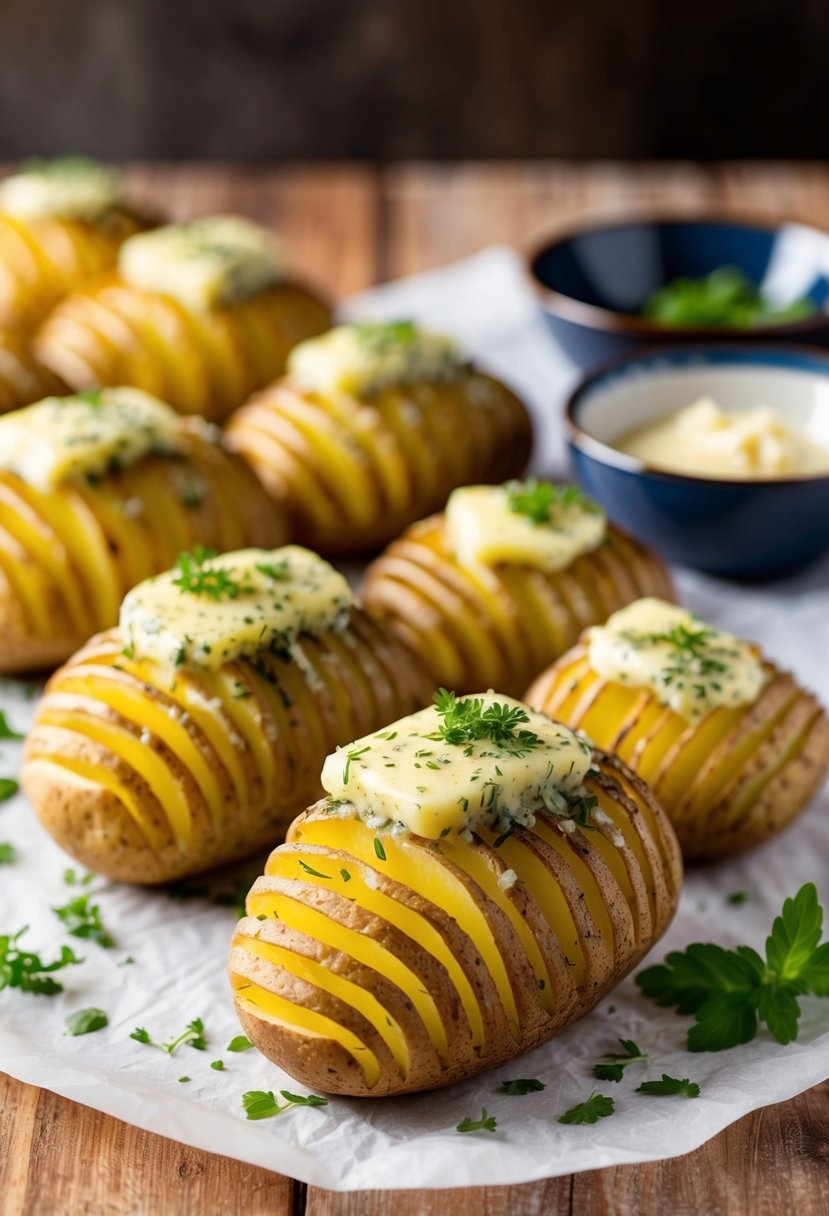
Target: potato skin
110,334
727,782
499,627
147,775
352,473
68,557
44,260
326,897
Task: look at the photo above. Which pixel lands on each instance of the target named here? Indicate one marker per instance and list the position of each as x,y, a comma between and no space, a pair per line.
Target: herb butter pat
532,523
63,438
691,667
361,360
209,610
204,264
70,188
463,763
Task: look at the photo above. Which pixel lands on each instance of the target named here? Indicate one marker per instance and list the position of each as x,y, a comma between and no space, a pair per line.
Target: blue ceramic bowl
739,529
594,282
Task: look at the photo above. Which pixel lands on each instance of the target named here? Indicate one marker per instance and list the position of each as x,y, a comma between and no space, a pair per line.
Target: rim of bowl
596,316
606,454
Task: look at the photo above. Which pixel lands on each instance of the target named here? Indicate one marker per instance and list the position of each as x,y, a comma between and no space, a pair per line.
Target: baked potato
201,347
374,962
475,625
70,551
728,778
22,379
147,770
61,223
355,459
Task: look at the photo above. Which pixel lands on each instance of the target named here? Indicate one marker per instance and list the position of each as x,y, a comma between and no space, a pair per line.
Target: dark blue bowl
594,282
739,529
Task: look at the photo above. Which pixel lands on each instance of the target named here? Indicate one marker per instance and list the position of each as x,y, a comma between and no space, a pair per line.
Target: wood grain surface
346,227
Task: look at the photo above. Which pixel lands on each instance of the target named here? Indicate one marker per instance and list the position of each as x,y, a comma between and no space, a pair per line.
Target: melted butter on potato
206,263
429,774
87,436
691,667
209,610
361,360
69,188
530,523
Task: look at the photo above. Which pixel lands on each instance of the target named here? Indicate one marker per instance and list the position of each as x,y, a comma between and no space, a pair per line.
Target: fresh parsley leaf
183,1080
192,575
728,991
541,501
86,1021
218,1065
83,919
25,970
73,879
240,1043
6,731
597,1106
670,1085
613,1065
193,1036
278,571
522,1086
8,854
466,720
486,1123
262,1104
8,788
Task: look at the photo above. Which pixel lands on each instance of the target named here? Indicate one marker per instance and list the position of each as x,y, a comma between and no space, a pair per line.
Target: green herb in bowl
724,297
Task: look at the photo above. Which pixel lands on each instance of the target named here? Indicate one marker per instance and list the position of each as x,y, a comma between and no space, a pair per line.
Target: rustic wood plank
549,1198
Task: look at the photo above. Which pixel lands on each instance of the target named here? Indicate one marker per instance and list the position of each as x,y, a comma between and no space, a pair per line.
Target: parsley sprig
486,1123
466,721
191,574
597,1106
730,991
668,1086
193,1035
541,501
522,1085
612,1066
83,919
25,970
262,1104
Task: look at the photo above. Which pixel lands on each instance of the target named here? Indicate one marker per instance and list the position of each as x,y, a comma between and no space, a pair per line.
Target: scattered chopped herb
350,758
182,1080
262,1104
597,1106
193,576
729,991
86,1021
193,1036
344,874
613,1065
72,879
218,1065
310,870
486,1123
670,1085
6,731
522,1086
240,1043
126,962
8,853
735,898
83,919
278,571
379,851
466,720
25,970
8,788
541,501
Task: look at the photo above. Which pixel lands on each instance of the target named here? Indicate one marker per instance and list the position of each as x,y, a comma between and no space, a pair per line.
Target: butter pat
703,440
71,188
62,438
204,264
482,528
691,667
208,611
361,360
409,774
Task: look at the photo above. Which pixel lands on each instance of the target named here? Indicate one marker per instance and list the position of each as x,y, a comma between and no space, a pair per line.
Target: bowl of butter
717,456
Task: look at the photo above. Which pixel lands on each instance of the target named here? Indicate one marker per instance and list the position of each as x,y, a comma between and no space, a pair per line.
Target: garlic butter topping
531,523
360,360
205,264
464,762
86,436
691,667
70,188
209,609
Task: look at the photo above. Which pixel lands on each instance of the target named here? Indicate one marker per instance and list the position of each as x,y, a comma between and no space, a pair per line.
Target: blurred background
388,79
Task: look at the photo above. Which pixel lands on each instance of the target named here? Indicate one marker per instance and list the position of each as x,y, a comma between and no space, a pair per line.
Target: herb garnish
8,854
240,1043
193,576
466,721
522,1086
540,501
86,1021
25,970
261,1103
310,870
730,991
218,1065
83,919
193,1036
735,898
6,731
613,1065
597,1106
486,1123
8,788
670,1085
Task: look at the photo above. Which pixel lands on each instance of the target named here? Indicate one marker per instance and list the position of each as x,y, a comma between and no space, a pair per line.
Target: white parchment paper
180,946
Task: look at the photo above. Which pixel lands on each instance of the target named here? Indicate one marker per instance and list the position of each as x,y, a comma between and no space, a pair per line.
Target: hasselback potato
475,625
147,771
61,223
354,459
203,349
375,962
728,777
69,552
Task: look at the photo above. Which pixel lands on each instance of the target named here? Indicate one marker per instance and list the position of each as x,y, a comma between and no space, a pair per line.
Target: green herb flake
240,1043
597,1106
192,1035
8,853
379,851
6,731
86,1021
670,1085
522,1086
613,1065
262,1104
218,1065
83,919
8,788
25,970
486,1123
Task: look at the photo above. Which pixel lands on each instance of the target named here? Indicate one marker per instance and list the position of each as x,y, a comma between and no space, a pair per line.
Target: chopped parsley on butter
691,667
363,359
69,188
206,263
86,436
211,609
532,523
463,763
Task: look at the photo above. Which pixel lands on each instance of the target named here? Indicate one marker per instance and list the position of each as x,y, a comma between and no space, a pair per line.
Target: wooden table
348,227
